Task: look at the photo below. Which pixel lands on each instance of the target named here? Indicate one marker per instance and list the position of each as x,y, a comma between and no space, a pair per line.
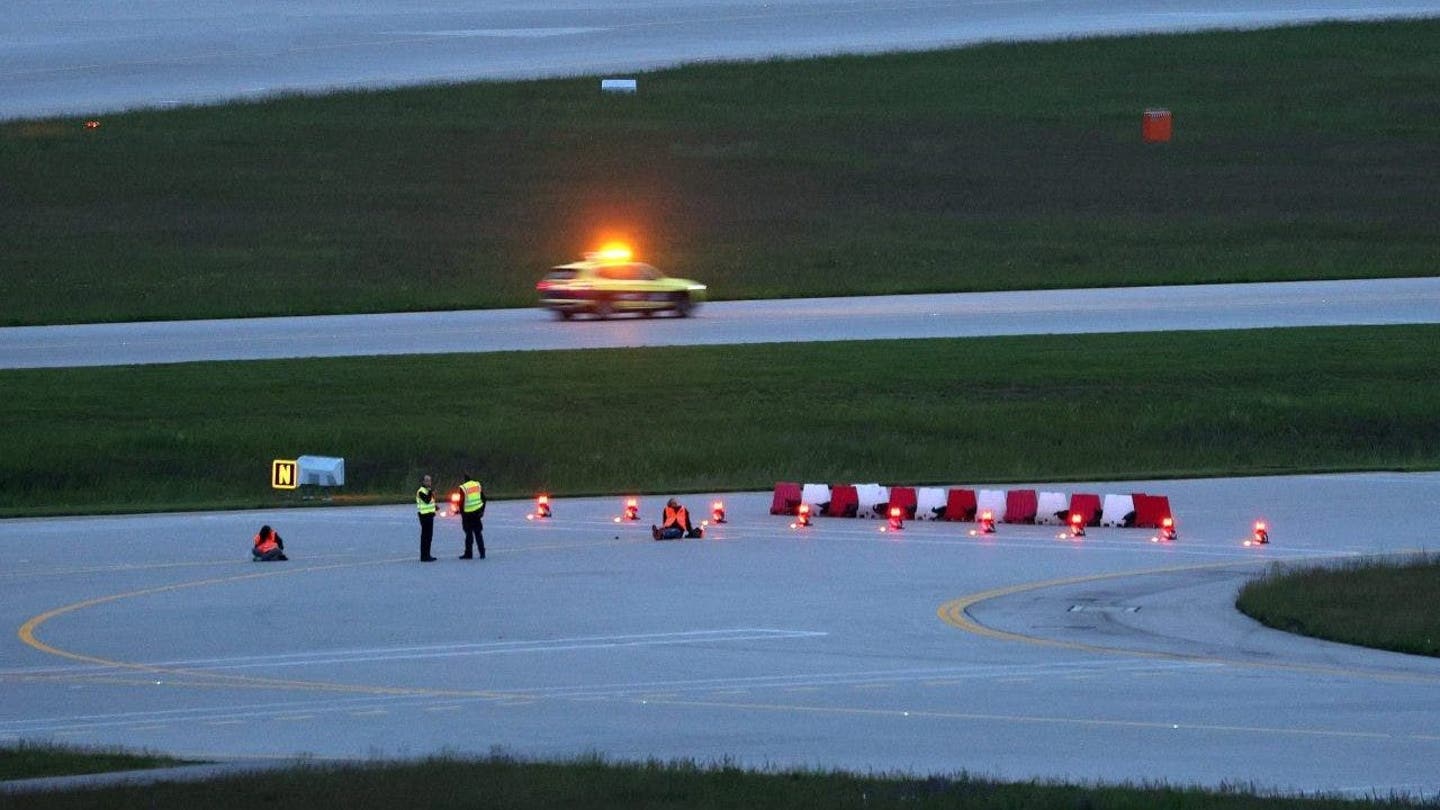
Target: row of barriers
1137,509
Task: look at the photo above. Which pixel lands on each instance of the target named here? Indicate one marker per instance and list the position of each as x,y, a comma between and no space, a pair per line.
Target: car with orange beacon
609,282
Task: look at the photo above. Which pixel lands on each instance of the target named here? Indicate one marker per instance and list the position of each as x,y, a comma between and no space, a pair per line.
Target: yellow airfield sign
284,474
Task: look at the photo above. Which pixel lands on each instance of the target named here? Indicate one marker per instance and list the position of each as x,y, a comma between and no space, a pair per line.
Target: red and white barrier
929,503
1052,508
1117,510
1016,506
992,501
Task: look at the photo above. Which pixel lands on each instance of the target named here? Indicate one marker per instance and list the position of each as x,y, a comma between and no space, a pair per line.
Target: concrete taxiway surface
1018,655
100,55
1138,309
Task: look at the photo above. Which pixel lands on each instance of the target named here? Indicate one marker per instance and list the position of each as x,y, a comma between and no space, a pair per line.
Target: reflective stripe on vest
473,499
422,505
676,516
267,545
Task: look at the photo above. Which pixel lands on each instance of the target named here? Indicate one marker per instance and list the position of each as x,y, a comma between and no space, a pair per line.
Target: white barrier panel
815,494
1115,508
1052,507
872,497
993,500
322,471
618,86
927,500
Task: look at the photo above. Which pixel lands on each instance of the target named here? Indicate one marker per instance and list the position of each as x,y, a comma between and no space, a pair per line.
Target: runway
1138,309
1019,656
103,55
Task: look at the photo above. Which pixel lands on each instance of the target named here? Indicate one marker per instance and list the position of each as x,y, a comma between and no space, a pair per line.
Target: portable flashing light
1260,536
802,516
896,520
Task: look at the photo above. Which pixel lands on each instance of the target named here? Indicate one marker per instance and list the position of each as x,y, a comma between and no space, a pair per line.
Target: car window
614,272
646,273
560,275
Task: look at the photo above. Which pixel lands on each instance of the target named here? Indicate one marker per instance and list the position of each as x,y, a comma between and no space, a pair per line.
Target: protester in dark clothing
676,523
268,546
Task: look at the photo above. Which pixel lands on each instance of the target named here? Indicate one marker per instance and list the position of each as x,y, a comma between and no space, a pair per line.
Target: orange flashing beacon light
802,516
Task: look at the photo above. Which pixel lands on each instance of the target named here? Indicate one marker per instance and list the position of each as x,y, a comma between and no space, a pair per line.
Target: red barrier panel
903,497
787,498
1150,510
1087,506
844,501
1020,506
960,504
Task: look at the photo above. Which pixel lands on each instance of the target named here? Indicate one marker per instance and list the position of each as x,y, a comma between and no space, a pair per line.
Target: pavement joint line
858,711
956,613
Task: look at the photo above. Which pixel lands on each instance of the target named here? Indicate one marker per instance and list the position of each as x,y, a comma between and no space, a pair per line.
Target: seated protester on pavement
268,546
676,524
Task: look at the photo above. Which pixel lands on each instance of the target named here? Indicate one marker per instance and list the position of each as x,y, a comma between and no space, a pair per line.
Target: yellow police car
609,281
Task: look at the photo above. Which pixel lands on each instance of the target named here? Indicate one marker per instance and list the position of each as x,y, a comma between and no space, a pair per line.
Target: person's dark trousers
427,534
474,533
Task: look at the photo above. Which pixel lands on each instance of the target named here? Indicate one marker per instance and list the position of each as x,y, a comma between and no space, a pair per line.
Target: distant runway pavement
1137,309
102,55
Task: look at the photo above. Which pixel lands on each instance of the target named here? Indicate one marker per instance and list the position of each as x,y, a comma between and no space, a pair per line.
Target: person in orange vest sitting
676,524
268,546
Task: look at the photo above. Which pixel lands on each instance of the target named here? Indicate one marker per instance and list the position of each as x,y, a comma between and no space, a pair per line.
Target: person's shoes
427,559
655,531
467,556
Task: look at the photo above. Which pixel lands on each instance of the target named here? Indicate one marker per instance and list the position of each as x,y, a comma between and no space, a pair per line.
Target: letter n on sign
283,474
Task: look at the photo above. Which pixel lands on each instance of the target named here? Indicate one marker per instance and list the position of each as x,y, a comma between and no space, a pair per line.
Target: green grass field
1387,603
500,782
728,417
25,760
1299,154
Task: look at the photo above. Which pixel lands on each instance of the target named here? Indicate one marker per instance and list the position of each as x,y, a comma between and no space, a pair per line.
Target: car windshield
560,275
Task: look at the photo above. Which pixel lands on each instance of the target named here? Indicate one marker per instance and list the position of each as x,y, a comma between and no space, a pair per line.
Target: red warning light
1167,530
1077,524
632,509
985,522
92,124
542,506
717,512
455,498
1260,536
896,521
802,516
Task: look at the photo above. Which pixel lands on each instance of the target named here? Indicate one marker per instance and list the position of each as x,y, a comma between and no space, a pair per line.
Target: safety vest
424,501
473,499
676,516
267,545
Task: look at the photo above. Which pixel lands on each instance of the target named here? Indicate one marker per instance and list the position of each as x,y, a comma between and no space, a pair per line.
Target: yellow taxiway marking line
956,614
181,676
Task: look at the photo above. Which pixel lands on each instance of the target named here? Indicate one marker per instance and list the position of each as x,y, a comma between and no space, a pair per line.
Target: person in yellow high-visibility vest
472,509
425,509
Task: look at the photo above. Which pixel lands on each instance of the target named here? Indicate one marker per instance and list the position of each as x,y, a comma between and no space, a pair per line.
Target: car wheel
604,309
563,314
683,305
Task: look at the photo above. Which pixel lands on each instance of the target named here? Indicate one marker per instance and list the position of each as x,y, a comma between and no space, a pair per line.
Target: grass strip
32,760
1300,153
454,782
728,417
1386,603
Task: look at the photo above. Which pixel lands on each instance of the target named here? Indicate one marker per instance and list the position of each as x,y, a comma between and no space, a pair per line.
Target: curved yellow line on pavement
27,635
956,613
